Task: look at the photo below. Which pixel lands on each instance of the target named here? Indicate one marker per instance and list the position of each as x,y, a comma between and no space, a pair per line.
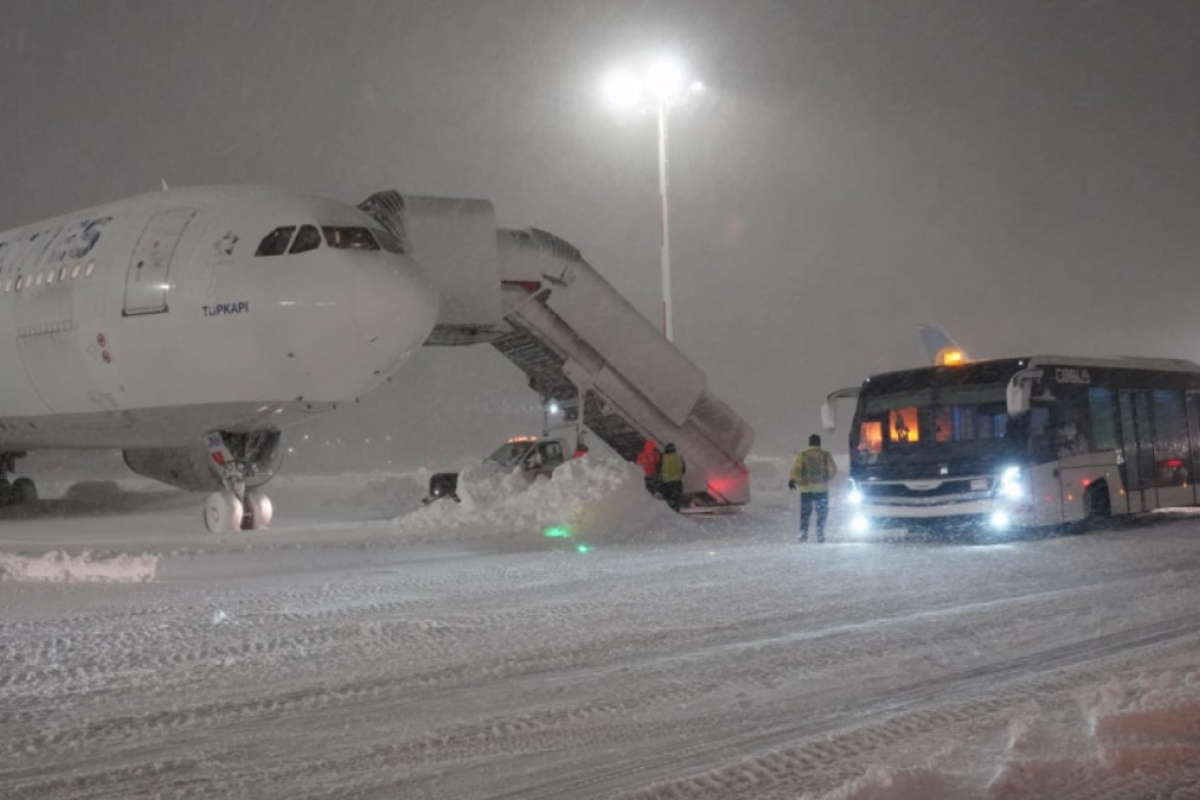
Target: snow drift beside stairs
588,497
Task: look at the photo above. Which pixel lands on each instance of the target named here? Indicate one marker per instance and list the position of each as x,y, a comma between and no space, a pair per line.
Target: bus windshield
931,422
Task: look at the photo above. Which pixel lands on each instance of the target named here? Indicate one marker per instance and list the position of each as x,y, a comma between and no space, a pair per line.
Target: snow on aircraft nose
396,306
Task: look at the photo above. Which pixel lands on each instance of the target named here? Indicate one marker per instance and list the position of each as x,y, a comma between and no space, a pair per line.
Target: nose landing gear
234,507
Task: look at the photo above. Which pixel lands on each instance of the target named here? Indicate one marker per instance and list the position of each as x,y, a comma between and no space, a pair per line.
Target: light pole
660,87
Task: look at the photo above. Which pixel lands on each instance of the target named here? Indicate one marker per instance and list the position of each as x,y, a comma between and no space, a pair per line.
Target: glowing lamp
664,79
657,88
949,357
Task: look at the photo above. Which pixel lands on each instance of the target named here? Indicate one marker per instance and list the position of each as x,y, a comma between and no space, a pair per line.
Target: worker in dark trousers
811,473
670,474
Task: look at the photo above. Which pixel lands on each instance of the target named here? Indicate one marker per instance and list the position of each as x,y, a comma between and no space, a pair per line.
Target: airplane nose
395,304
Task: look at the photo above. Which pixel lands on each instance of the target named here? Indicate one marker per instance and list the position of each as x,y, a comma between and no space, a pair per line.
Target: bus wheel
1096,504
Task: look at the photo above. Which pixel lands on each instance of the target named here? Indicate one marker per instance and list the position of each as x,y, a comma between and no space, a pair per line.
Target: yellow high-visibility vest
672,468
813,469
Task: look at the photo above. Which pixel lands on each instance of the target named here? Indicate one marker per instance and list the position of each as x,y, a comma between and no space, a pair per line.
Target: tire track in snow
548,608
388,682
182,647
488,740
659,762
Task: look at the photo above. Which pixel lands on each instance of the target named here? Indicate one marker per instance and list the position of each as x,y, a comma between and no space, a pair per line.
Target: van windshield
510,454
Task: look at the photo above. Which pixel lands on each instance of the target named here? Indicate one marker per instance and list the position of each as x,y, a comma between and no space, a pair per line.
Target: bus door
1137,451
1193,416
1172,457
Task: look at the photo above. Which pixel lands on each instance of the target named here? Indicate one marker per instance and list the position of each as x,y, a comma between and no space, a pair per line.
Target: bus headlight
1000,520
1012,485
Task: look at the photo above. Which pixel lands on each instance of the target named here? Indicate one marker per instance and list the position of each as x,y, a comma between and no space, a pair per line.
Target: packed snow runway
369,648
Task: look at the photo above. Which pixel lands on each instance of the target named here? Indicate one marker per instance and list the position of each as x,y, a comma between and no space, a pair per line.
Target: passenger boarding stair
547,377
574,335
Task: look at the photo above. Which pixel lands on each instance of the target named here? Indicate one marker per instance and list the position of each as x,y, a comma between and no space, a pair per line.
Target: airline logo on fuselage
221,309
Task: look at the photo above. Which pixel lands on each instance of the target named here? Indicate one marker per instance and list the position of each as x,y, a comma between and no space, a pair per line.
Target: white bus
1022,442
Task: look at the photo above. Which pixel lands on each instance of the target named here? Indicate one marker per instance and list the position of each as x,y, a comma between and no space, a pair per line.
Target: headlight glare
1012,484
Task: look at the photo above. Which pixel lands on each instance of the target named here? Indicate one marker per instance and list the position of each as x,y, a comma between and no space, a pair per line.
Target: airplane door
150,269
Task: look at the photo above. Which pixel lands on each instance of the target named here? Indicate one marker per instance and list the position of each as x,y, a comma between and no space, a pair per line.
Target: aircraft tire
223,512
259,510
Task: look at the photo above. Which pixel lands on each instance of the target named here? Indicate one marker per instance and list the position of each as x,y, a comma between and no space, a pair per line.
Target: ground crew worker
811,472
671,472
648,460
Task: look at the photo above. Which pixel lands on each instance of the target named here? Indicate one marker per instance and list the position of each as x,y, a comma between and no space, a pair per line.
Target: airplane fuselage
151,321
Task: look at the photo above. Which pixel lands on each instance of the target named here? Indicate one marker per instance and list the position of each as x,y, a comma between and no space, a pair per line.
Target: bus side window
1193,415
1040,440
1072,441
1170,439
1072,430
1102,416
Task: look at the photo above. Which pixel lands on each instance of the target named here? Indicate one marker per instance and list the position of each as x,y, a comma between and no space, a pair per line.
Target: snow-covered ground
572,639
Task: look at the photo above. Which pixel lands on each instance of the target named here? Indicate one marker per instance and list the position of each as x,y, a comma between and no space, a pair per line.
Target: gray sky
1026,173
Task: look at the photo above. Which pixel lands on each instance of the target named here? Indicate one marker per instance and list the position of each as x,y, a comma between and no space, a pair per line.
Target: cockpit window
389,242
275,243
350,238
309,238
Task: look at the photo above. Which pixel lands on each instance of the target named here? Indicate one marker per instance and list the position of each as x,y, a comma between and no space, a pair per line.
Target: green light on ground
557,532
583,548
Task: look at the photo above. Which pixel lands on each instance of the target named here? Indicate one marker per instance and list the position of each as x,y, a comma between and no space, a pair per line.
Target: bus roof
1119,362
1000,370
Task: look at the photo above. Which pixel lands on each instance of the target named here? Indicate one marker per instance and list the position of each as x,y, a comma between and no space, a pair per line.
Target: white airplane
187,327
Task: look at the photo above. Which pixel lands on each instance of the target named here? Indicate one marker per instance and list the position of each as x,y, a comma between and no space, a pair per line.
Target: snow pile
587,497
60,567
1151,721
1149,725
